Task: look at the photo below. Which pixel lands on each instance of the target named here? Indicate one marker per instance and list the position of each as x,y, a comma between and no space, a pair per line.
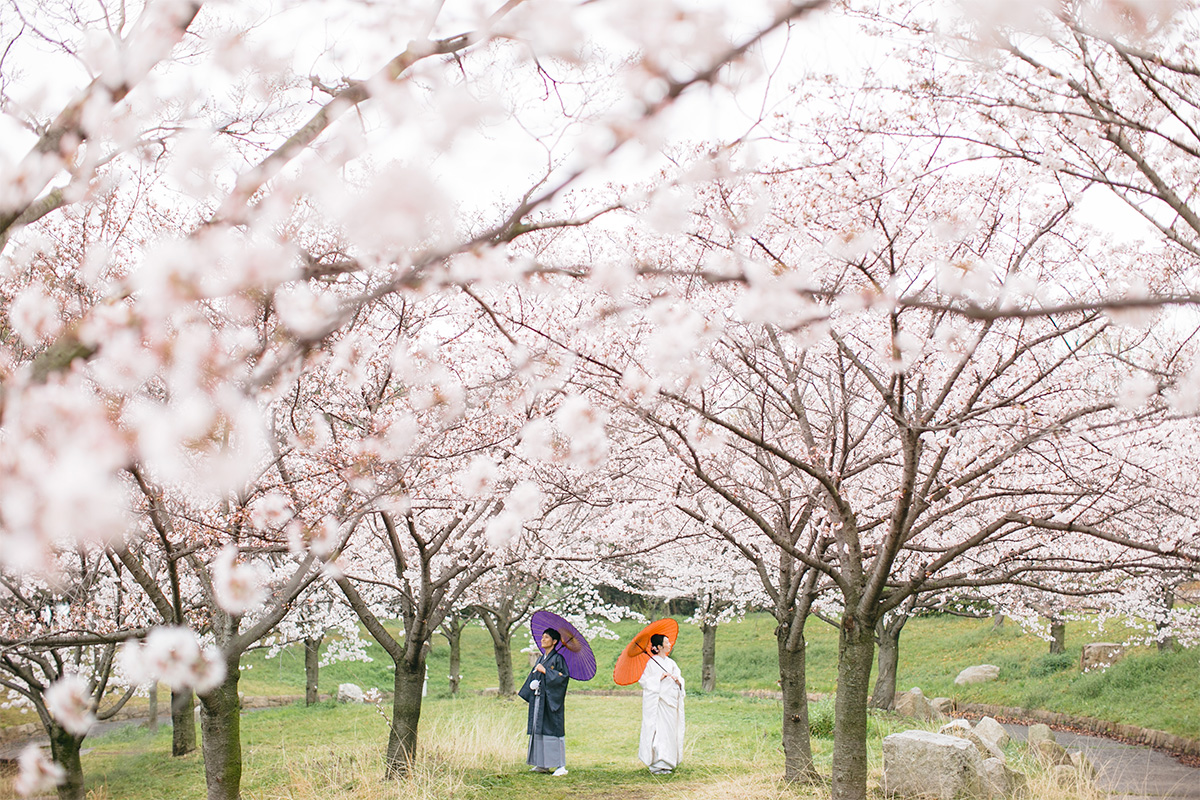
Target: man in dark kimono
545,690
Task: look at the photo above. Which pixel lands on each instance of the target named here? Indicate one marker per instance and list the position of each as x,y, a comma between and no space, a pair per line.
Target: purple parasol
581,664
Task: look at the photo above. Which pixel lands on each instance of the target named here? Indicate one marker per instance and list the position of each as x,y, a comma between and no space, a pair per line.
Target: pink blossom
238,586
37,773
175,657
69,701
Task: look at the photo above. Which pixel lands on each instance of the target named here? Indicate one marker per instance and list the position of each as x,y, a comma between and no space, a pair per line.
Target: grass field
473,748
1153,690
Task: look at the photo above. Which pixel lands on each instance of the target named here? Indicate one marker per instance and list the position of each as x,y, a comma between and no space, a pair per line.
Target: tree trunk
1166,642
504,665
883,696
708,658
406,714
1058,635
856,652
64,749
221,728
454,637
183,722
312,669
152,708
998,620
797,743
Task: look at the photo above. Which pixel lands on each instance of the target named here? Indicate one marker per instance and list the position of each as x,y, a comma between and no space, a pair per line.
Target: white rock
981,673
350,693
991,731
925,764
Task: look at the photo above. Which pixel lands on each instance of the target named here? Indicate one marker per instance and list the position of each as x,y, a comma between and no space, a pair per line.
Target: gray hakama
546,729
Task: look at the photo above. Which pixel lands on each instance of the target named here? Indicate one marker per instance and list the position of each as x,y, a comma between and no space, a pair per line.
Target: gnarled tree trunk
1058,635
64,749
883,696
183,722
797,742
856,652
152,708
454,638
221,728
312,669
502,647
1166,642
406,714
708,657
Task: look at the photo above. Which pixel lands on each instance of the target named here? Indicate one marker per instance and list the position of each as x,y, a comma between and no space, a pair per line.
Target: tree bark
64,749
708,658
312,669
406,714
797,742
152,708
502,646
183,722
221,728
1058,635
856,652
454,637
883,696
1166,642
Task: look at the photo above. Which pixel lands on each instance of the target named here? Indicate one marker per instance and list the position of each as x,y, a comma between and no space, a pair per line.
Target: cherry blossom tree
188,218
880,449
503,600
58,644
241,577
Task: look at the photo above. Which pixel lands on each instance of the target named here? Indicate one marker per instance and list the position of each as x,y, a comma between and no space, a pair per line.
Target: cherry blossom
36,773
69,701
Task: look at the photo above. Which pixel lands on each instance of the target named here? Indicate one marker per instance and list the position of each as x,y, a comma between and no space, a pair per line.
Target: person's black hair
658,640
554,634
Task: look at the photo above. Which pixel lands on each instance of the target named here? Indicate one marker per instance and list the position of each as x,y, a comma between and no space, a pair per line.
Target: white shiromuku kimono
661,744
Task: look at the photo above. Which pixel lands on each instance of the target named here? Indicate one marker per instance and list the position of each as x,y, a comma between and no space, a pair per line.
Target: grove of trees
303,329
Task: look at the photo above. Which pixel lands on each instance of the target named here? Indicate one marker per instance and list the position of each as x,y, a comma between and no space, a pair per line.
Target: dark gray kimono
546,716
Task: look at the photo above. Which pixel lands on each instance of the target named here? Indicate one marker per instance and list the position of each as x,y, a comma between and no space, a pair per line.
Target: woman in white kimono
661,744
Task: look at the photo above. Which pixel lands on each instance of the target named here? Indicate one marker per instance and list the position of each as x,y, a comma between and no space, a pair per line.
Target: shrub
1051,663
820,719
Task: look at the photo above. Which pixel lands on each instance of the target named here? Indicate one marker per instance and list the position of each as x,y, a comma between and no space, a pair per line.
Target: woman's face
547,641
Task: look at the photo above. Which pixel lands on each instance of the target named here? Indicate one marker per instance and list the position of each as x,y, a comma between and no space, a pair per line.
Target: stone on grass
991,731
943,706
961,729
914,704
1100,655
954,725
926,764
1000,781
1053,754
350,693
1083,765
1065,775
981,673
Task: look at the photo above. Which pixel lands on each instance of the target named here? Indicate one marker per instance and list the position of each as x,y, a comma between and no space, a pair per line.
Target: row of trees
275,360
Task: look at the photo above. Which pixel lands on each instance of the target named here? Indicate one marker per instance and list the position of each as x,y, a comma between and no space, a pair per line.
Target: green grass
1153,690
472,745
472,748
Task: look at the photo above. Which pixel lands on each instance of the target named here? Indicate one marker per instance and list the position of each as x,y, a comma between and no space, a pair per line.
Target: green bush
1050,664
820,719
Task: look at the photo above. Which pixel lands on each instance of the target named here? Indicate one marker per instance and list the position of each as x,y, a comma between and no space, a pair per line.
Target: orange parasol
632,661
